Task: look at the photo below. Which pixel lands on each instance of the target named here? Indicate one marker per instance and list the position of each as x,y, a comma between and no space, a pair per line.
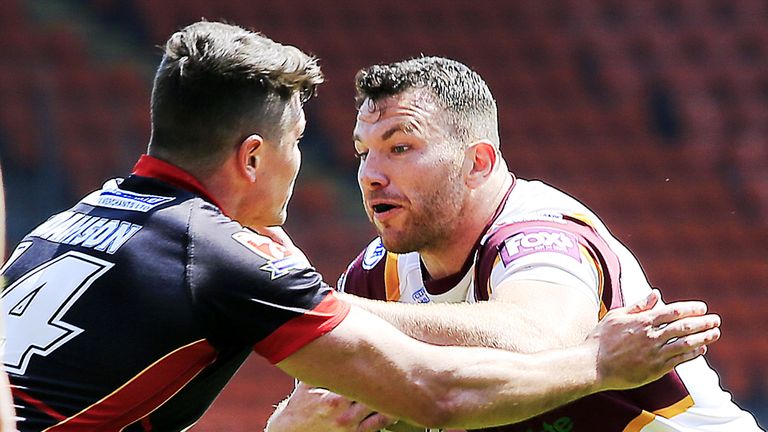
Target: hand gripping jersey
542,234
131,311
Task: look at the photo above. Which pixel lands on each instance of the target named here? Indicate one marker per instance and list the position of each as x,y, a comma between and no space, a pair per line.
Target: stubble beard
430,224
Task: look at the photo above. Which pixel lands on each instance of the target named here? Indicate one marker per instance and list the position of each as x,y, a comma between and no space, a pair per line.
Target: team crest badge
373,254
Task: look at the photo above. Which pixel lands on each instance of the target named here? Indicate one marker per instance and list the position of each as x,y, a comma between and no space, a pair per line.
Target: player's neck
449,257
443,261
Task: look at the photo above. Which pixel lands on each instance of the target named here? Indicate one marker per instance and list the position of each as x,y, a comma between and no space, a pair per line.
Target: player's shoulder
536,207
228,247
538,218
366,274
369,263
517,236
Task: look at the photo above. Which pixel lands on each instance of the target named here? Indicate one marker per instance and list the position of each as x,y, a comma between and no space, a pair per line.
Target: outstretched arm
367,360
522,316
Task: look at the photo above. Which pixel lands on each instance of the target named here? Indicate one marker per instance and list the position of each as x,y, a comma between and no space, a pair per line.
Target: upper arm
551,277
555,315
249,291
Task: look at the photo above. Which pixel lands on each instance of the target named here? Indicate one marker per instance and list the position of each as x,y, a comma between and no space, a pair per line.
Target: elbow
436,406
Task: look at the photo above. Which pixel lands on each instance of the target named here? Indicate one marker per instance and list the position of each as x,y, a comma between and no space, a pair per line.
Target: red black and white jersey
540,233
132,310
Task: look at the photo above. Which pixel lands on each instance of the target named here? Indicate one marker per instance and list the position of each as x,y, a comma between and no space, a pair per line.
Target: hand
313,409
640,343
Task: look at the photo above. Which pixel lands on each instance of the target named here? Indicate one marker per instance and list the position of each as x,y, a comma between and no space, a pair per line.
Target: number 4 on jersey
36,303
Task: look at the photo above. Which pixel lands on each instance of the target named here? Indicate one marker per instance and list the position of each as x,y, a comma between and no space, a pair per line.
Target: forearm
367,360
456,387
497,391
487,324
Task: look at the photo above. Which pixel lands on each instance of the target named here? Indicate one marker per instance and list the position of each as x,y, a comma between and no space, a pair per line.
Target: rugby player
478,257
131,310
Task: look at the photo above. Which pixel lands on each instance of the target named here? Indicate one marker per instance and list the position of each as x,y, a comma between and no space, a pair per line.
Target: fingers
690,346
684,357
666,314
689,325
647,303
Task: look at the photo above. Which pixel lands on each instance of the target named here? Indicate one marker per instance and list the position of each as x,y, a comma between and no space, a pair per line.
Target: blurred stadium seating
654,113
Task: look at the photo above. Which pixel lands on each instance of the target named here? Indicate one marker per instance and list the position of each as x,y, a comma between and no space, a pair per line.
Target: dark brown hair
218,83
468,108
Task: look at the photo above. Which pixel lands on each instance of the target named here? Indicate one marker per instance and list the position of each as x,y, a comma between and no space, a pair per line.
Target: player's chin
395,242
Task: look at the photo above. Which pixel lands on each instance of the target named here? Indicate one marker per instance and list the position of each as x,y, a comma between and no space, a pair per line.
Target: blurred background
652,112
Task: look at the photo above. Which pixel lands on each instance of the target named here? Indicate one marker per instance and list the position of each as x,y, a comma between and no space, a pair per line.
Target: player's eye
400,148
361,155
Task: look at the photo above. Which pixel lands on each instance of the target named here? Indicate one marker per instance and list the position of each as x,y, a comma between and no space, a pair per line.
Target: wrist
587,356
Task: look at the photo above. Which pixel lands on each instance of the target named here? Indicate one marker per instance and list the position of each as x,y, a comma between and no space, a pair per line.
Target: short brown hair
218,83
467,104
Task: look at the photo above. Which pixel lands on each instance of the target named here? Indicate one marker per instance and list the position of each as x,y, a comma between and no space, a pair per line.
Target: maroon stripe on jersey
366,283
144,393
447,283
303,329
40,405
660,394
596,246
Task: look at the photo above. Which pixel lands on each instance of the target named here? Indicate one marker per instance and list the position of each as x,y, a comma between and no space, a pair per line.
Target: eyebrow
406,128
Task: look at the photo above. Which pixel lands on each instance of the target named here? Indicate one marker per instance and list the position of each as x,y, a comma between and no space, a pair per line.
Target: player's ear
480,159
248,156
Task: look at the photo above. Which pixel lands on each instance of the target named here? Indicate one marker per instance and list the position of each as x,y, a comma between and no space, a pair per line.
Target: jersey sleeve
565,252
251,290
547,255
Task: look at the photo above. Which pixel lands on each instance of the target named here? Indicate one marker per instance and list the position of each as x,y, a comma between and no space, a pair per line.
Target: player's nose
371,174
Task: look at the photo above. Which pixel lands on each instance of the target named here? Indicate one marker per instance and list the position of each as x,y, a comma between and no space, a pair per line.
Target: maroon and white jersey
540,233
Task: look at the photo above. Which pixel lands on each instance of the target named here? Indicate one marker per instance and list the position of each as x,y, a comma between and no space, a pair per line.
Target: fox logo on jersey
532,240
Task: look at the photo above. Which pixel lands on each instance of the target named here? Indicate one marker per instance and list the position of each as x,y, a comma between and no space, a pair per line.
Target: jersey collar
149,166
445,284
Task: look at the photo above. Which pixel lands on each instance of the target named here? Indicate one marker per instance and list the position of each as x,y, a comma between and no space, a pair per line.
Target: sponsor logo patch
261,245
421,296
280,260
373,254
534,240
122,200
